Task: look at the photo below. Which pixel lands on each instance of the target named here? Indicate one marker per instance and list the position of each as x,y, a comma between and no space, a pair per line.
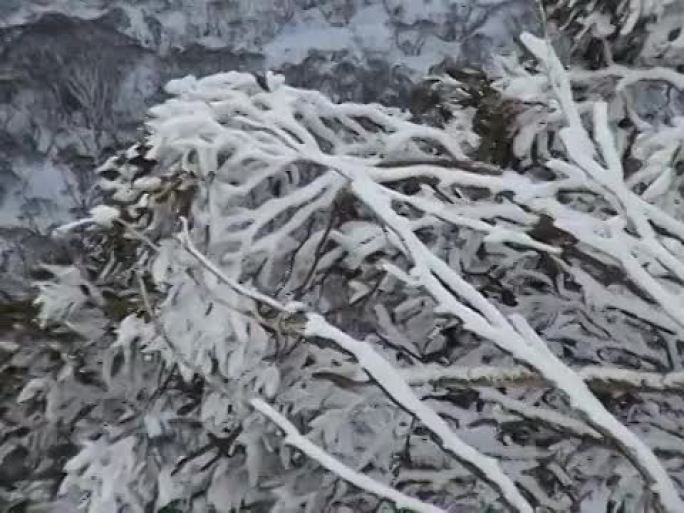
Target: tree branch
596,377
295,439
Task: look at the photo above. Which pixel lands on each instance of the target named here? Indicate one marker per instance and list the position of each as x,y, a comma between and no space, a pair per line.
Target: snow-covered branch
390,380
297,440
483,318
549,417
369,275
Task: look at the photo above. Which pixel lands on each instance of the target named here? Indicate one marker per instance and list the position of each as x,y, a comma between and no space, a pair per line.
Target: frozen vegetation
279,301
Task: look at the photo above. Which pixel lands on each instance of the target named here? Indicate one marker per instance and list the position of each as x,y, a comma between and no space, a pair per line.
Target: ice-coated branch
632,209
458,298
389,378
451,214
297,440
598,417
391,381
486,320
289,181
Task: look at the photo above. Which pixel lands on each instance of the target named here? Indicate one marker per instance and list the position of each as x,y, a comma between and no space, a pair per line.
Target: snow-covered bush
431,329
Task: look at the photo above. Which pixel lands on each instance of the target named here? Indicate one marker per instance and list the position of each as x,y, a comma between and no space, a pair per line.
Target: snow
454,295
34,387
104,215
35,195
294,438
390,380
147,183
367,35
282,163
295,42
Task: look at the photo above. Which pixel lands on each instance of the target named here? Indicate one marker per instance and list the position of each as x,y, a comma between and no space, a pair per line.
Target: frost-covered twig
297,440
331,196
102,215
549,417
596,376
184,239
215,385
484,319
389,378
458,298
627,76
611,176
495,232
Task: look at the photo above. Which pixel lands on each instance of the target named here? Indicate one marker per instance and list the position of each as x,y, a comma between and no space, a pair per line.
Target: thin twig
596,377
184,239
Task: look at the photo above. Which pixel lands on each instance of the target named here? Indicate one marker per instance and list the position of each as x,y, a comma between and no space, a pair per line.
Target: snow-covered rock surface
76,76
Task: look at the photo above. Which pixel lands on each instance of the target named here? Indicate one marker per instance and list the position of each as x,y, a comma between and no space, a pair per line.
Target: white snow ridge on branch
294,438
435,330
